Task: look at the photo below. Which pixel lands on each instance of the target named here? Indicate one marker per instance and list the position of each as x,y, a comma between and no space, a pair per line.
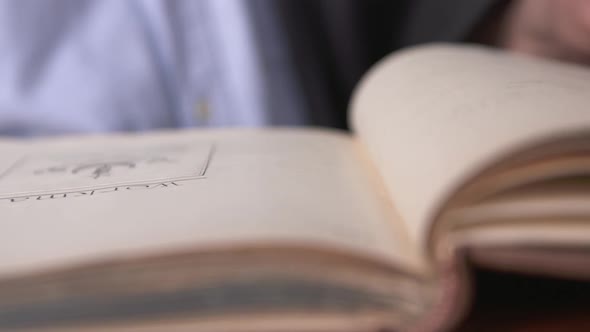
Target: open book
459,157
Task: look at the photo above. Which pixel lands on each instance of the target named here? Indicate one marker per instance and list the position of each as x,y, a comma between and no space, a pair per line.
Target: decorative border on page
95,173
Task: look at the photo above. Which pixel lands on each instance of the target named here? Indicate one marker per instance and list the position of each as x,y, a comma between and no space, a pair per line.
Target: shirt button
202,112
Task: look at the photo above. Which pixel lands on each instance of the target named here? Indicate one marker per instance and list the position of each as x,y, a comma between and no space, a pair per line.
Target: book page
434,115
84,199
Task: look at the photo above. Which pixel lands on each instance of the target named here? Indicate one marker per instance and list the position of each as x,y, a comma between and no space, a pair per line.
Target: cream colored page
433,115
84,199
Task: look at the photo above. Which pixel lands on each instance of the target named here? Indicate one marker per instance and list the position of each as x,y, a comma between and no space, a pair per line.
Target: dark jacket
334,42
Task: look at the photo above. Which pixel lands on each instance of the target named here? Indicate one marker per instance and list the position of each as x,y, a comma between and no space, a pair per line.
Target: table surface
509,302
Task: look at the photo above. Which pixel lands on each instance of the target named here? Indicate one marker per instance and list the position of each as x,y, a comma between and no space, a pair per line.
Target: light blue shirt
121,65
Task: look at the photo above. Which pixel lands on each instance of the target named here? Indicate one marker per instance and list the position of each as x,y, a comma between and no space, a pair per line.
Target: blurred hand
557,29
